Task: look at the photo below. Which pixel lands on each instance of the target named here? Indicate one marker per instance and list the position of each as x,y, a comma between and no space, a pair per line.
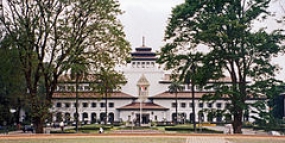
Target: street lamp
12,111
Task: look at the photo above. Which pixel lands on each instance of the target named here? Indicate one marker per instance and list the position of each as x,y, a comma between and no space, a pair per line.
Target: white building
144,97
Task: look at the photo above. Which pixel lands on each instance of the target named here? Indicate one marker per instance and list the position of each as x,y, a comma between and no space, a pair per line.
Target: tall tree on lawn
218,36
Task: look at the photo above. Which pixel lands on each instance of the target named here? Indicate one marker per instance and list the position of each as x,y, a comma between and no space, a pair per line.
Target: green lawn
125,139
97,140
257,140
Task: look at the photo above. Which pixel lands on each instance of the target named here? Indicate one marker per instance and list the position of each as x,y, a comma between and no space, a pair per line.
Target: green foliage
51,37
234,49
95,127
12,85
189,128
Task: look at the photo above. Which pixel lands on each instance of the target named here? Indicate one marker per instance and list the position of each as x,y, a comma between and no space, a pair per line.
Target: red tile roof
145,106
88,95
180,95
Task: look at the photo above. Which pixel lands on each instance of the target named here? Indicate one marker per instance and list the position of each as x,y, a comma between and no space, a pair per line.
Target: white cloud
146,18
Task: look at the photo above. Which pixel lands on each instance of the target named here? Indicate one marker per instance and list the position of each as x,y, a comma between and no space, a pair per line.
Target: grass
257,140
97,140
125,139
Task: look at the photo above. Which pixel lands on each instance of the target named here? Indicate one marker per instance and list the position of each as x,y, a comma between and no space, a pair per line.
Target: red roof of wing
145,106
87,95
180,95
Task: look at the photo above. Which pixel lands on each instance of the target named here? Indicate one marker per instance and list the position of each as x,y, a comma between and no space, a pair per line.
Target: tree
79,72
106,83
46,34
234,49
12,86
175,87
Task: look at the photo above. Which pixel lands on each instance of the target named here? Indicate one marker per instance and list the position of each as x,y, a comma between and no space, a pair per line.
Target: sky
148,18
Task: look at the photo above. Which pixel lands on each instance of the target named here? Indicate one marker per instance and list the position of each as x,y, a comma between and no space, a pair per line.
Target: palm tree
175,87
106,82
78,70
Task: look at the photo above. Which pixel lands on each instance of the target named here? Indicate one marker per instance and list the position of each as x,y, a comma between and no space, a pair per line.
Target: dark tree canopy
234,50
50,35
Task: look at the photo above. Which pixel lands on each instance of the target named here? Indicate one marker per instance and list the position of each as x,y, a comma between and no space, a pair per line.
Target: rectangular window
70,88
85,104
94,104
86,88
183,104
228,105
102,105
173,105
111,104
67,105
191,105
80,88
201,105
61,88
210,105
219,105
58,104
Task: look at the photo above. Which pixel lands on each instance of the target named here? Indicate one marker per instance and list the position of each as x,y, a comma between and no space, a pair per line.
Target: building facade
144,98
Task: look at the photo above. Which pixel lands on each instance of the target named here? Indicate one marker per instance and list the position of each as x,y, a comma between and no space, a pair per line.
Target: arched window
59,117
85,117
201,116
67,118
93,118
191,117
102,116
111,118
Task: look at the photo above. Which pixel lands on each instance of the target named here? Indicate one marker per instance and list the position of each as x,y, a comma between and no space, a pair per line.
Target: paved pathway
204,139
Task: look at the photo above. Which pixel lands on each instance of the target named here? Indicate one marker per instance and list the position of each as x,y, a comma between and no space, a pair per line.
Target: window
75,105
210,105
201,105
67,105
102,104
85,104
143,64
228,105
191,105
111,104
173,105
86,88
93,104
183,104
61,88
147,64
219,105
58,104
80,88
133,64
70,88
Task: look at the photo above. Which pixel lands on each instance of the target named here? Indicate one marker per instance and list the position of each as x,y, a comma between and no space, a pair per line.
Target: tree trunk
76,102
106,109
38,124
237,123
176,112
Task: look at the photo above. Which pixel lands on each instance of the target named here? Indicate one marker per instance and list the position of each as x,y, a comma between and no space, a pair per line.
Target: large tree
107,82
49,35
225,29
175,87
12,86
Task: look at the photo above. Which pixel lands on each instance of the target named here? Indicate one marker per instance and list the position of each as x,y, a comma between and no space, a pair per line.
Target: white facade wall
89,110
152,74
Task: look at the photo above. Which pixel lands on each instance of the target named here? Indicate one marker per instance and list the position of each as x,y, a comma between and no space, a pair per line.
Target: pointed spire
143,41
